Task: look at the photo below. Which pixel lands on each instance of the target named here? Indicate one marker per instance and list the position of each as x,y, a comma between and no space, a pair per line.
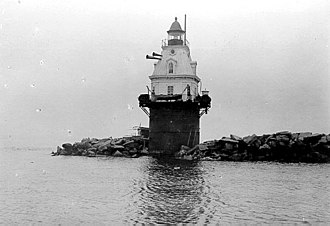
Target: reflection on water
36,188
173,192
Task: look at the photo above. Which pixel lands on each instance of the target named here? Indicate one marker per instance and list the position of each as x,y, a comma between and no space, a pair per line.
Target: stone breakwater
118,147
282,147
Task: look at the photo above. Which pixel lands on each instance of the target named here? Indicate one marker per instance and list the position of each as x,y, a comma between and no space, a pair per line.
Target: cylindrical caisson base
171,125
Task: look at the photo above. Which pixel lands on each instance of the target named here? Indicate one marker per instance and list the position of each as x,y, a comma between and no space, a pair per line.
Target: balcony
166,42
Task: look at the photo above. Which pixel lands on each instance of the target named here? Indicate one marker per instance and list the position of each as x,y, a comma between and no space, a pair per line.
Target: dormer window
170,68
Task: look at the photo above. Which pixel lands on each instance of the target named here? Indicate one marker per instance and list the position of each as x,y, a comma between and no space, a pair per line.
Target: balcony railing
165,42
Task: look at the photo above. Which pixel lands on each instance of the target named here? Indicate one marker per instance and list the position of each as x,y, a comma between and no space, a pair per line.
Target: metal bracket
204,111
145,111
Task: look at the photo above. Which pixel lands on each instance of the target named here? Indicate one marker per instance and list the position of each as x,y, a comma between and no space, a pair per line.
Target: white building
175,72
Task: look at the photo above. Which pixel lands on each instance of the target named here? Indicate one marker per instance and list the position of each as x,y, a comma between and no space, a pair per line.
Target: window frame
170,68
170,90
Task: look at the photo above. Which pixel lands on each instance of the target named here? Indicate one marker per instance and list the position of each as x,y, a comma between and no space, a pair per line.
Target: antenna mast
185,29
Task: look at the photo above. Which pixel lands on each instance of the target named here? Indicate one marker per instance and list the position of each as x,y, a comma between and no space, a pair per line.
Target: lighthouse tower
174,101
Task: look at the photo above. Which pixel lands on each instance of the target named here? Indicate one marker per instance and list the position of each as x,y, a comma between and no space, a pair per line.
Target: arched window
170,68
188,90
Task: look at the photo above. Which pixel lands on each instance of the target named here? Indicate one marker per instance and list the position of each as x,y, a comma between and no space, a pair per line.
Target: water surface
36,188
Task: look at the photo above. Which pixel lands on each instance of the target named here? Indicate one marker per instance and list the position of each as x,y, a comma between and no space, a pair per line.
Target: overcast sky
74,69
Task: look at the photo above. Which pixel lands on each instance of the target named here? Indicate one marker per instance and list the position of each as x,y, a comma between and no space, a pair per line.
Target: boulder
295,136
90,154
82,145
228,143
250,139
215,156
101,149
253,141
208,159
181,153
120,141
117,147
79,152
264,137
228,140
126,153
131,144
186,148
126,143
104,145
230,146
234,137
192,150
236,157
85,140
187,157
144,151
67,146
271,141
118,154
133,151
202,147
284,133
301,136
58,150
199,151
312,139
323,139
103,142
224,156
92,149
210,143
67,149
135,156
65,152
264,147
282,138
244,156
93,141
317,157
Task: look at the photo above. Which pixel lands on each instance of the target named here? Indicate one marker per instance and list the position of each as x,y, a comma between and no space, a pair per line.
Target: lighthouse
174,102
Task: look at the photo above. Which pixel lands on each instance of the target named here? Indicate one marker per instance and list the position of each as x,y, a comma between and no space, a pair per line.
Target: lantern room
175,34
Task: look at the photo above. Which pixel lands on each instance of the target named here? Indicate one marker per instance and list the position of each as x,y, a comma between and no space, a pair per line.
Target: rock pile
282,146
119,147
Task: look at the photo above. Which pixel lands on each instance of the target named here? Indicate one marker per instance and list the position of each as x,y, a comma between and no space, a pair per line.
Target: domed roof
175,27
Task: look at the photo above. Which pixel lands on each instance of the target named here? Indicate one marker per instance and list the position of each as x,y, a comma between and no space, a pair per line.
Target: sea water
37,188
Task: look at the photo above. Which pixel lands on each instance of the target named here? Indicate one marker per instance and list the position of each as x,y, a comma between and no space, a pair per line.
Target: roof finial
176,18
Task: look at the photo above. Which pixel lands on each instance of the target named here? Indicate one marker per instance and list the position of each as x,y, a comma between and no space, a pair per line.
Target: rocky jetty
282,147
118,147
